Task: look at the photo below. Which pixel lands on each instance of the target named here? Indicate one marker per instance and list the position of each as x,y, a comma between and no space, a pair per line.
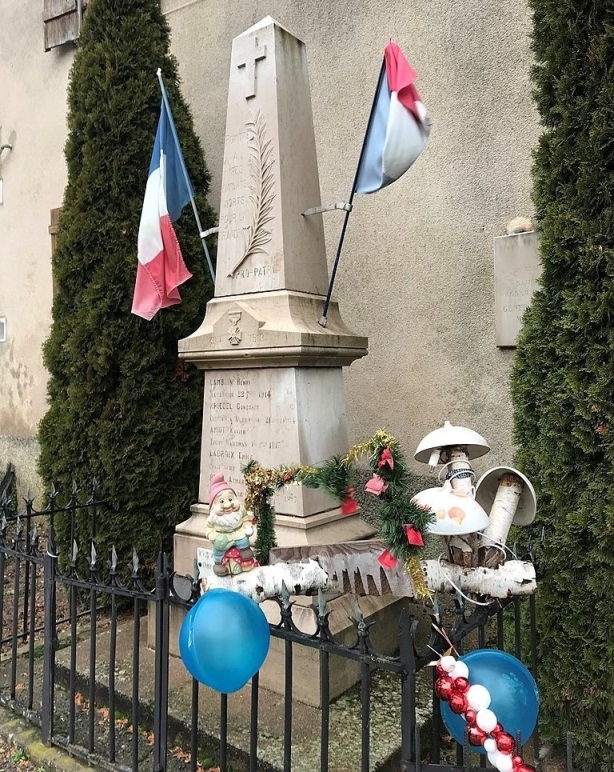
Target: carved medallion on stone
235,336
261,194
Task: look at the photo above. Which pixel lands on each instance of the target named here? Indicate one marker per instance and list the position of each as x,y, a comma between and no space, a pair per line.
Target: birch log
501,517
515,577
303,578
355,568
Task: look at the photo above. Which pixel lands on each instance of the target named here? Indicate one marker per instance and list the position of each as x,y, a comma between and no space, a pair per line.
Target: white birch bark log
515,577
264,582
501,516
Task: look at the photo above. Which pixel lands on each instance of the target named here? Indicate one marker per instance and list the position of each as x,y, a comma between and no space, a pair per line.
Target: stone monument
273,375
273,380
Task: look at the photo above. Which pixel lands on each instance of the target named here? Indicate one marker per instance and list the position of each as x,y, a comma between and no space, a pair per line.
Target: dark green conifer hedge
122,408
563,378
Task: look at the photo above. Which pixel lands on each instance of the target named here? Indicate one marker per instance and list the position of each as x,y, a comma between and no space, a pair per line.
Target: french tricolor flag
161,268
398,128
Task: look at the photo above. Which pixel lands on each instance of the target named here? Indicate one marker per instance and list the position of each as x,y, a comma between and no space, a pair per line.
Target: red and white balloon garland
472,702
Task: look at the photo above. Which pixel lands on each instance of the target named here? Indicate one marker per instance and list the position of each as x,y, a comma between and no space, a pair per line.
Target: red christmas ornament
387,560
497,731
461,685
517,760
525,768
443,687
414,537
386,459
458,703
348,503
376,485
476,736
505,742
470,716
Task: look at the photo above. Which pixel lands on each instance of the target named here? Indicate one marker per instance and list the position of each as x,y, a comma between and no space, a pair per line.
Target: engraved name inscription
243,421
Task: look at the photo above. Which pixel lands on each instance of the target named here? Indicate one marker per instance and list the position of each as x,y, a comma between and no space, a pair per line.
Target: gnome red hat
218,484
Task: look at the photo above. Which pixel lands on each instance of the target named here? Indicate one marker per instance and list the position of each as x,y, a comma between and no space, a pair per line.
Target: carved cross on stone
250,69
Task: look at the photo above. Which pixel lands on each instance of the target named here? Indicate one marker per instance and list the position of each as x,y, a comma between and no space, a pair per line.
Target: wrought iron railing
66,623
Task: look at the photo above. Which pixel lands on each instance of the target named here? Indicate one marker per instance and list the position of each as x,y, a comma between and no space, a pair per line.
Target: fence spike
92,560
29,499
321,603
113,559
358,611
74,553
285,595
3,525
135,564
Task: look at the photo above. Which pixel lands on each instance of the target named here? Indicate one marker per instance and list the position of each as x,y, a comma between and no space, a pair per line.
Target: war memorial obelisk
273,375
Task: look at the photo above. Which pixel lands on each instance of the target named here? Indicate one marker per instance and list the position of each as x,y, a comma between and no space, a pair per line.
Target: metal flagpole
185,174
323,319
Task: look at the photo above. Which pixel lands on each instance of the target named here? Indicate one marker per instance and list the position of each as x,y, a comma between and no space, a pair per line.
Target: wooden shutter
61,20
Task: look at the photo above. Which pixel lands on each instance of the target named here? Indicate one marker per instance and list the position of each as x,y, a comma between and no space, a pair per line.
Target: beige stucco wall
417,271
33,105
416,274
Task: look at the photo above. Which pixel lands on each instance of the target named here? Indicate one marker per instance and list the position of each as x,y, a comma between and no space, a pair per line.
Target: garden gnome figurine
228,527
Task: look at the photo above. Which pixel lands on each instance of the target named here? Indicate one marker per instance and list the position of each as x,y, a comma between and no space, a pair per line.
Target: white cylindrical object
515,577
458,460
264,582
503,510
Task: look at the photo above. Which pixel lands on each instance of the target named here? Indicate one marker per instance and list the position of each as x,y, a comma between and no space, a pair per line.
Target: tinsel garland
401,524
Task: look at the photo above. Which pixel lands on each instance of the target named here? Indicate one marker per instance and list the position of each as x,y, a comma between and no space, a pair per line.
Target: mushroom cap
455,513
488,484
449,436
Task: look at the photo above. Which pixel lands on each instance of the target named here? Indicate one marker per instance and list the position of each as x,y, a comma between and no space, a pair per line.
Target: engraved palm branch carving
261,188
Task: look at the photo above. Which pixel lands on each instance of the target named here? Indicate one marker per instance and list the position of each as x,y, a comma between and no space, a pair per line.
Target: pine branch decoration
401,523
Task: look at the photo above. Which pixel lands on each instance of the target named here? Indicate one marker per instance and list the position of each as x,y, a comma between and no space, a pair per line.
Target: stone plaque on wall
517,272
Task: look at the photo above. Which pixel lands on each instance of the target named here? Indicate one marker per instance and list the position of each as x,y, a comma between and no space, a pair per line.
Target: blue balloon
224,640
513,692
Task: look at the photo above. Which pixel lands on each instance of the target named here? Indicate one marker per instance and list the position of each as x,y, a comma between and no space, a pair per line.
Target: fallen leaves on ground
14,759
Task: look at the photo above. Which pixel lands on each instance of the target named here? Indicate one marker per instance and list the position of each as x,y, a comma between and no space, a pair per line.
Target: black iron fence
77,659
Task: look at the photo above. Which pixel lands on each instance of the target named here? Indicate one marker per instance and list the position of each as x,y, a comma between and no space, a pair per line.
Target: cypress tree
563,376
122,408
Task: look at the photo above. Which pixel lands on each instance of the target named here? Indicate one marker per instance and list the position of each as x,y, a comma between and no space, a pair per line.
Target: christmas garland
401,524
